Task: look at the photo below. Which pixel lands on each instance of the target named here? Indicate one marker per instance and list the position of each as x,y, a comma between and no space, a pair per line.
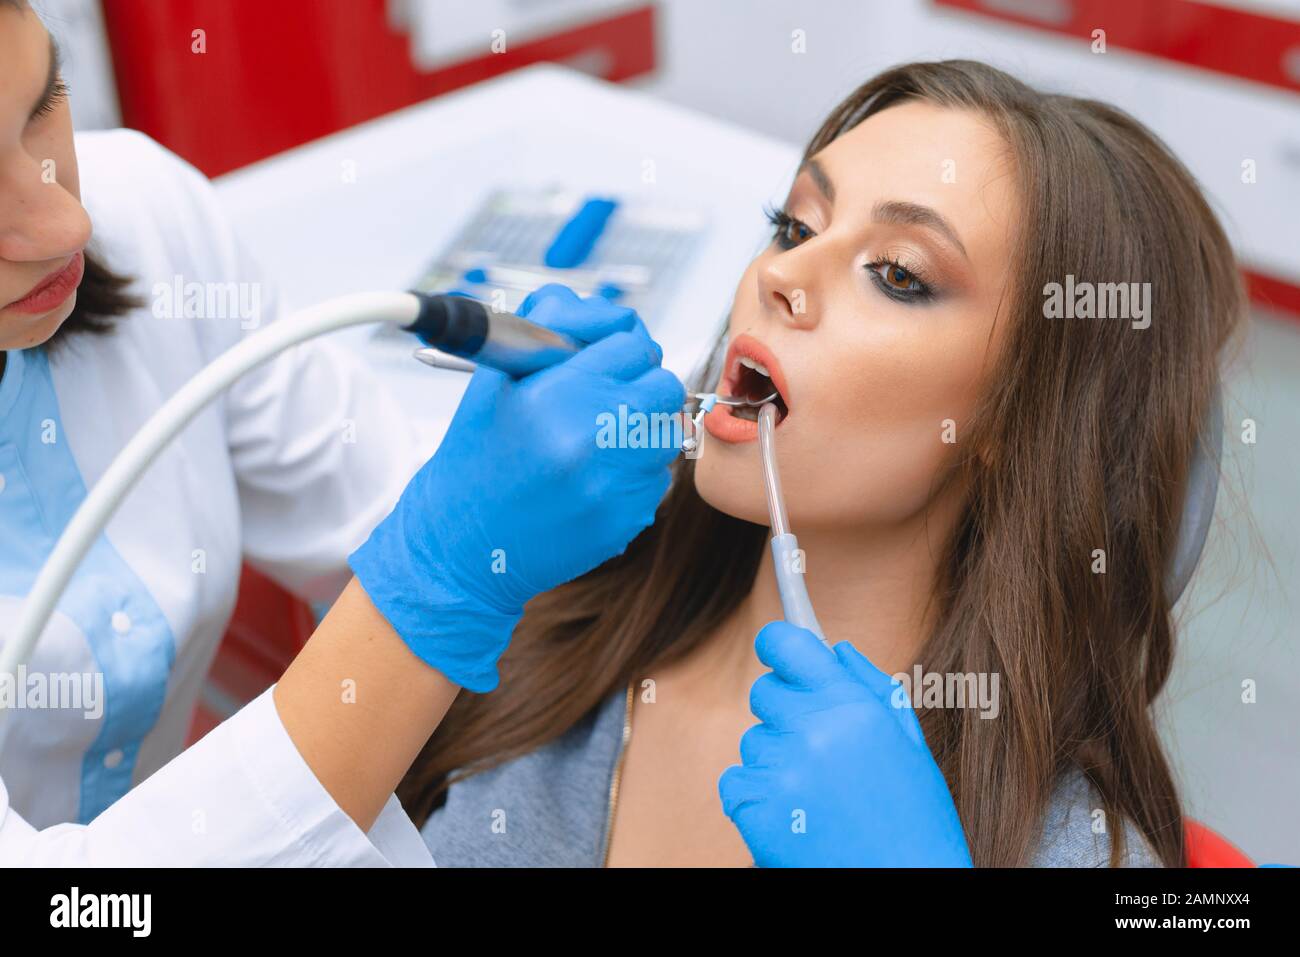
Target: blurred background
702,105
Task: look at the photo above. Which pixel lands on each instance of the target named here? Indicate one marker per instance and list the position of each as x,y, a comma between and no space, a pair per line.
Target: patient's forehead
951,159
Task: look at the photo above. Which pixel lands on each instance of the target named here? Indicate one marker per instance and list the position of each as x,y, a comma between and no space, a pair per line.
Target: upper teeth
756,366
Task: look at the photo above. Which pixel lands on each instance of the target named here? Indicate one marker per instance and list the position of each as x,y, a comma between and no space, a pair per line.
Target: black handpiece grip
454,324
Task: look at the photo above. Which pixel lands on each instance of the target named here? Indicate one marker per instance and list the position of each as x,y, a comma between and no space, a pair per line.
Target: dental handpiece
463,332
788,559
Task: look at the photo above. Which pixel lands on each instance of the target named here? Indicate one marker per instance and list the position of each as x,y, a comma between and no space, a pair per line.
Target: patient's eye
787,232
898,282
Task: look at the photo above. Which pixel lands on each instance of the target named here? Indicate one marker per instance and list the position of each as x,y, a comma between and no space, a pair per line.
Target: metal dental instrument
730,399
444,360
786,555
461,332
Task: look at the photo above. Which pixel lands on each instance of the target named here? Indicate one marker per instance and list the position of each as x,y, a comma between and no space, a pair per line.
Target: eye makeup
896,274
787,231
900,276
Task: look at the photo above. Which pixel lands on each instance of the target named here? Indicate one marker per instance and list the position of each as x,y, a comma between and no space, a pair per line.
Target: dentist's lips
53,290
722,423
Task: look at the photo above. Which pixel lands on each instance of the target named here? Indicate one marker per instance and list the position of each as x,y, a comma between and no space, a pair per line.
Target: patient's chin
29,332
732,487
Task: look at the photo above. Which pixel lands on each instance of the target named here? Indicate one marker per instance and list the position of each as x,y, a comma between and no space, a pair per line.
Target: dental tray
630,253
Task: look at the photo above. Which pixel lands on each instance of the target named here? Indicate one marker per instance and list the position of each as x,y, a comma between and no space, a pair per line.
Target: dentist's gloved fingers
522,472
640,329
910,724
776,703
659,395
554,293
640,501
860,667
620,355
658,390
797,655
742,788
884,688
762,746
559,309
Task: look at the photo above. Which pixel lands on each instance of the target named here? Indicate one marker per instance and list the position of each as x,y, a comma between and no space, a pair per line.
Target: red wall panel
277,73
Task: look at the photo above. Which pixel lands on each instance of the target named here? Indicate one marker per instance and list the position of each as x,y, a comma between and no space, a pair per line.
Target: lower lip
722,423
55,292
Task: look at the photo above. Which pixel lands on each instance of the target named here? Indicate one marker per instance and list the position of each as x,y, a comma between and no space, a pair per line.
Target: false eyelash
778,218
924,293
58,93
781,220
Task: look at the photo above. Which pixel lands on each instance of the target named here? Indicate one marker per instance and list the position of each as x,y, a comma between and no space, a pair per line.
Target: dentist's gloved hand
836,775
520,496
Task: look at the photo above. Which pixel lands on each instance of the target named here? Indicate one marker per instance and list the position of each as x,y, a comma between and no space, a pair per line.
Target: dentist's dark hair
1082,440
102,296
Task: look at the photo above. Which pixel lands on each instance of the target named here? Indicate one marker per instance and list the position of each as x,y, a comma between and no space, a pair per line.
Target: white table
369,207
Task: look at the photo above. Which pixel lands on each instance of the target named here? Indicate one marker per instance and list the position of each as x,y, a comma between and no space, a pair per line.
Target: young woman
291,469
955,457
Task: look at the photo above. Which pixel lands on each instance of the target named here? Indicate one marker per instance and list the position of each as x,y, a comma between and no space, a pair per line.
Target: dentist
519,499
290,470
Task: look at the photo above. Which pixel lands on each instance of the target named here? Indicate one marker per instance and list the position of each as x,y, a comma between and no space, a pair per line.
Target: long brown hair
1082,441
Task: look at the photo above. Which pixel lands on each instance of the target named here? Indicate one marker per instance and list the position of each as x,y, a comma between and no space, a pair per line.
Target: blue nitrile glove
836,775
520,496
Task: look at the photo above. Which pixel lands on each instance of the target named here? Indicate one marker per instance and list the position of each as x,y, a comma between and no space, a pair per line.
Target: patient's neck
872,588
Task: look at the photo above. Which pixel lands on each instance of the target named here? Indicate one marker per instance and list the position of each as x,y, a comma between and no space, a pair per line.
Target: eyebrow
897,212
819,177
51,80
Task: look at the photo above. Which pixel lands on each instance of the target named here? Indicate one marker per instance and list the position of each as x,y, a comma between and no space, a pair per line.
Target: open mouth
753,381
751,372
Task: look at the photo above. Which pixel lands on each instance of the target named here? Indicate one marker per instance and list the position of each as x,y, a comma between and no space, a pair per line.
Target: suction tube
786,555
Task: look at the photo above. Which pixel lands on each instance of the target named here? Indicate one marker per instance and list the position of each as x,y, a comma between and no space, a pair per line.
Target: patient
957,460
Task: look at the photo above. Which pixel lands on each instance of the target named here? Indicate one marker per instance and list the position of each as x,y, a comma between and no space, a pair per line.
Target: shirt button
121,622
113,758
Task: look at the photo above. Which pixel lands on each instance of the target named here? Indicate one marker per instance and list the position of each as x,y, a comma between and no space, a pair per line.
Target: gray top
549,808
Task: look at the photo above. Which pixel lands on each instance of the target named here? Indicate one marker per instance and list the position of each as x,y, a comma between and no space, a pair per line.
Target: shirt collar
12,382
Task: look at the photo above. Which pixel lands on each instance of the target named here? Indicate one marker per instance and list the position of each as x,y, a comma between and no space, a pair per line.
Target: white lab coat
241,797
289,470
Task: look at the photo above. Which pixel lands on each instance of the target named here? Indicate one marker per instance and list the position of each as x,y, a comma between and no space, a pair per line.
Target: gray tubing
790,583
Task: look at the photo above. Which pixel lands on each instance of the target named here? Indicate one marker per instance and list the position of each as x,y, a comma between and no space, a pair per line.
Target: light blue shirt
289,470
